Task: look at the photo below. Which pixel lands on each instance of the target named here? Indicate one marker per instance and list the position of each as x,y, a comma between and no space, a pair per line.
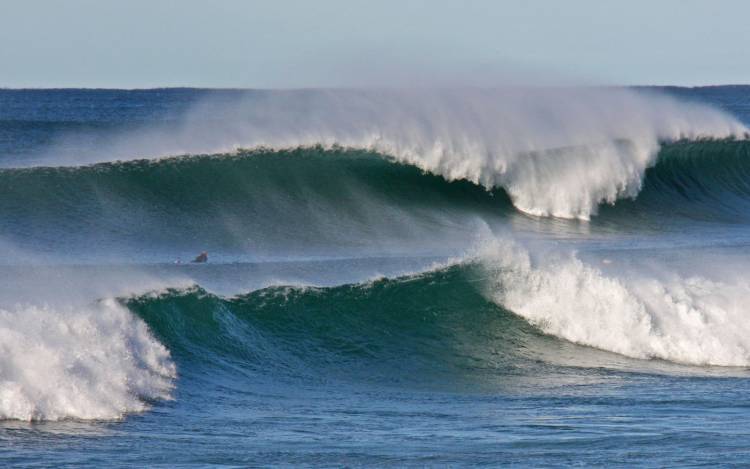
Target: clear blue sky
284,43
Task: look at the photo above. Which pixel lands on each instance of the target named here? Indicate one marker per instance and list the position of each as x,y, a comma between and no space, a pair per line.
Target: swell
263,201
502,311
427,327
499,318
704,179
308,196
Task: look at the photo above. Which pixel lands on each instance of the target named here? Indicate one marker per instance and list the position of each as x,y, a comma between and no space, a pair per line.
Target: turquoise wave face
433,328
309,200
703,180
437,329
262,201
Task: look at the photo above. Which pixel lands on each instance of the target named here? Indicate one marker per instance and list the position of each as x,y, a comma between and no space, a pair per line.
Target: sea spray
93,362
690,320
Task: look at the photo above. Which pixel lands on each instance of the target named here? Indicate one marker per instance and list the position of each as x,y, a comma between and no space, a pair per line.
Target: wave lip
97,362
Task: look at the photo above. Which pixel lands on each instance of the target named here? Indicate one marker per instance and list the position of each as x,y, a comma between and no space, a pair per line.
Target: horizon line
308,88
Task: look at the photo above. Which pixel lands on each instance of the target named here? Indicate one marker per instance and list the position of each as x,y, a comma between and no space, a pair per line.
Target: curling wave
432,324
316,195
500,312
558,152
494,312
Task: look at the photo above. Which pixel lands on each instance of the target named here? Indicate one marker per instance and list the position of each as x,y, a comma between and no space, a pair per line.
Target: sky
334,43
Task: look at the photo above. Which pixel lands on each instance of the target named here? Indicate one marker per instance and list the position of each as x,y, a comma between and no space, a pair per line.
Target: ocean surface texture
538,277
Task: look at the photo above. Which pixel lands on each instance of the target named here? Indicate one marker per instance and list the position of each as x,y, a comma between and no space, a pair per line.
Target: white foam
686,320
98,362
557,151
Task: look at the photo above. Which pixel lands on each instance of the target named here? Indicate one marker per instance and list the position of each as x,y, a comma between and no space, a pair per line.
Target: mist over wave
556,151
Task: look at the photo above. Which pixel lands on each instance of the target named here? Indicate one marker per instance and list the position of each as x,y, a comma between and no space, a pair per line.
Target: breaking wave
94,362
333,193
558,151
498,313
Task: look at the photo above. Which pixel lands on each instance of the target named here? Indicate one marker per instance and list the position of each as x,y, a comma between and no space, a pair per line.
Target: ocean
534,277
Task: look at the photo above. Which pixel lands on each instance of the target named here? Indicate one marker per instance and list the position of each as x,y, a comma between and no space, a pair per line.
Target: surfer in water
201,258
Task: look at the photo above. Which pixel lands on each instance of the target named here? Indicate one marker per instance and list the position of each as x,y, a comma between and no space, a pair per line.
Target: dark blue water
367,308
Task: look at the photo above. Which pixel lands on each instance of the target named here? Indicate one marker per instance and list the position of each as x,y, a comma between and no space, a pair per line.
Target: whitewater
493,258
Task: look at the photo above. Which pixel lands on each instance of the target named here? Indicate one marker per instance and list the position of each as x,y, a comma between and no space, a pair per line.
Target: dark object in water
202,257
